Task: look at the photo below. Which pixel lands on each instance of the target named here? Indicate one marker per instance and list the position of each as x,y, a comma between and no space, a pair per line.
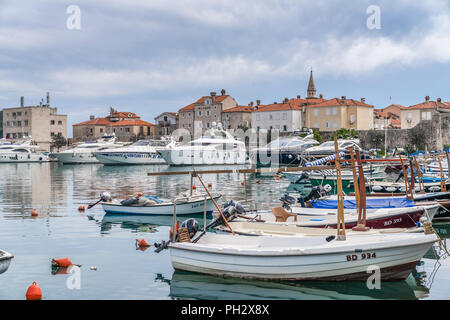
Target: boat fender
34,292
192,226
34,213
64,262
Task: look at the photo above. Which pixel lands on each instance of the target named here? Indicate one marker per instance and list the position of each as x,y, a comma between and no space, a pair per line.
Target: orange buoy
142,243
139,194
209,185
177,226
64,262
34,292
34,213
194,187
81,208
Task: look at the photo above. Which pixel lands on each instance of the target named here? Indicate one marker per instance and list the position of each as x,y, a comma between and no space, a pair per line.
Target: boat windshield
142,143
279,143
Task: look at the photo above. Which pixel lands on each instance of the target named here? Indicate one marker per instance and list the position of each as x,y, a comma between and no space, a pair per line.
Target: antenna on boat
361,226
340,196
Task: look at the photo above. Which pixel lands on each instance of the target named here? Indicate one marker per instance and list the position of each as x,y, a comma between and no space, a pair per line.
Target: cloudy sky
151,56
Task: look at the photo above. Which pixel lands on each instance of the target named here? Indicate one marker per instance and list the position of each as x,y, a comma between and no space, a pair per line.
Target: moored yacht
82,153
216,146
21,151
327,148
140,152
284,151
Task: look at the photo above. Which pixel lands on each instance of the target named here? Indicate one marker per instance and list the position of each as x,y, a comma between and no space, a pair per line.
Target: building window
257,117
13,123
426,115
316,125
14,135
19,123
207,113
26,123
409,115
60,122
128,129
284,116
270,117
334,111
182,115
352,118
285,128
277,116
199,113
52,122
327,111
19,114
334,124
101,129
316,112
52,134
327,124
7,123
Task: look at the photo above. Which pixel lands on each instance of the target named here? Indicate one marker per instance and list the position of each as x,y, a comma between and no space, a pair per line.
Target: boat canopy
376,203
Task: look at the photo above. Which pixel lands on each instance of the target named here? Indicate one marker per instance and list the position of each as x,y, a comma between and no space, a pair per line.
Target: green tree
345,133
58,141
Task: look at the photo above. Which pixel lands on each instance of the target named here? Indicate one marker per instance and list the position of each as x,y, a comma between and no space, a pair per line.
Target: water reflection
186,285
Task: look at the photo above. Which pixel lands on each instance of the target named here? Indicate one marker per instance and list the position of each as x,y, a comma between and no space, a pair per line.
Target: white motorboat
140,152
215,147
306,257
5,260
21,151
83,153
186,204
327,149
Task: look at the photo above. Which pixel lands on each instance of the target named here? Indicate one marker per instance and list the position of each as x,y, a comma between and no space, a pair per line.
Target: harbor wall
435,133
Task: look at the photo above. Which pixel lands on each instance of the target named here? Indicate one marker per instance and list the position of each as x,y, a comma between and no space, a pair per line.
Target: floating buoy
209,185
34,292
243,183
194,187
64,262
257,181
81,208
142,243
139,194
34,213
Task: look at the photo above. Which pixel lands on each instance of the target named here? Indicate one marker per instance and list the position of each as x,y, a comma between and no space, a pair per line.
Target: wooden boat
185,205
5,260
306,257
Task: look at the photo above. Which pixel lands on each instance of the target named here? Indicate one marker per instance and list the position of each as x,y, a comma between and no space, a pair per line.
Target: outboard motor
304,175
192,226
287,201
317,192
106,197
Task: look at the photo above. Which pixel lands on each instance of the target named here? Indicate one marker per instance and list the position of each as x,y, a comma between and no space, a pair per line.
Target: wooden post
413,187
174,234
340,196
355,178
443,188
405,176
361,226
419,176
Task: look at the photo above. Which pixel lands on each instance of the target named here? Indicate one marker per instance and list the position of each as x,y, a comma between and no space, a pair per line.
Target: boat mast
340,196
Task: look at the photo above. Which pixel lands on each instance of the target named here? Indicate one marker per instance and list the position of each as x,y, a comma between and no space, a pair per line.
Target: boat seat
281,215
183,235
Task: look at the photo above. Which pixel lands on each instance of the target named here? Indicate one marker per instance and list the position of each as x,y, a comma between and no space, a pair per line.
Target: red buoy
34,213
142,243
81,208
34,292
209,185
64,262
243,183
194,187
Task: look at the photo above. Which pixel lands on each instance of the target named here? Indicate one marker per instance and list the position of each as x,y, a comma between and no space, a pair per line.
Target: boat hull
217,157
187,208
75,158
394,261
127,158
23,158
5,261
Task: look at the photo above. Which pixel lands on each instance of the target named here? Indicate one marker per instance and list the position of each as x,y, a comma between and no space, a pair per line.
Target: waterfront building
334,114
127,126
205,111
238,117
41,122
165,124
424,111
383,119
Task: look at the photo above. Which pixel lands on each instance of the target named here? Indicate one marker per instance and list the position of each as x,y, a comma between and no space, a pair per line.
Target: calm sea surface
92,239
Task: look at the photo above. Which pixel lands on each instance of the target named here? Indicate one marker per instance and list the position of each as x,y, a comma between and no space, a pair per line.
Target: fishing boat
215,147
140,152
186,204
21,151
83,152
284,151
5,260
306,257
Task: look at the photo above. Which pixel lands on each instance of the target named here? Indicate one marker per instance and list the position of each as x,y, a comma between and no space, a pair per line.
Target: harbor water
104,246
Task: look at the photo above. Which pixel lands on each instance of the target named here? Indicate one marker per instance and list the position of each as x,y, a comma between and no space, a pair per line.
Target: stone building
205,111
382,119
334,114
166,123
41,122
413,115
238,117
127,126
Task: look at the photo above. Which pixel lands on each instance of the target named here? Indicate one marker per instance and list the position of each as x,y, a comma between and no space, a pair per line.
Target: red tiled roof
336,102
427,105
123,115
94,122
131,123
241,109
191,107
278,107
187,108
